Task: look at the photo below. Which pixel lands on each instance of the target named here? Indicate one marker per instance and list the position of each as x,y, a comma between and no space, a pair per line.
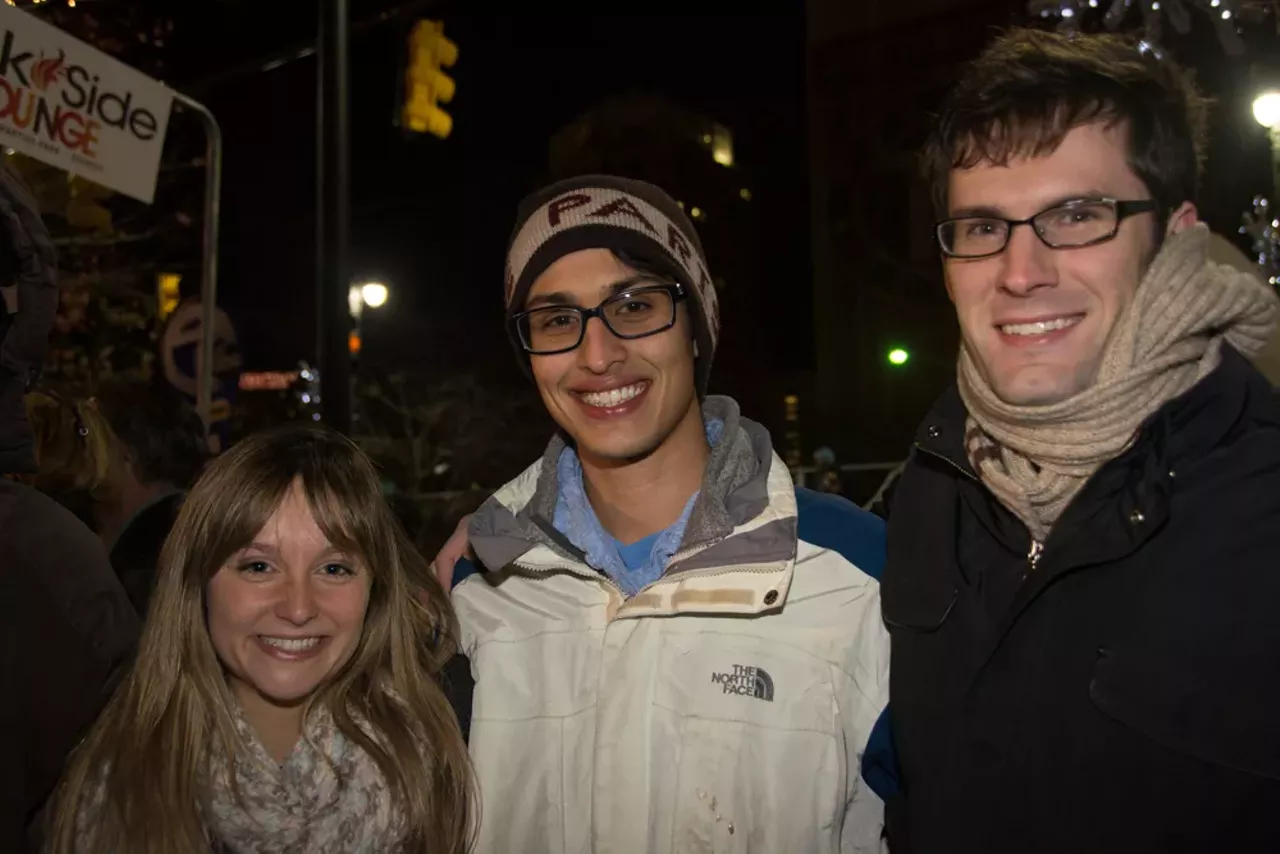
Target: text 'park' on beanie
632,217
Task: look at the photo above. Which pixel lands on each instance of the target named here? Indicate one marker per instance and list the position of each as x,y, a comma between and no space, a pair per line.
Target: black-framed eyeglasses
645,308
1081,222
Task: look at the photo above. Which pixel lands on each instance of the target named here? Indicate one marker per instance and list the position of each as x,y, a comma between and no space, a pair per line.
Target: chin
286,693
619,450
1037,387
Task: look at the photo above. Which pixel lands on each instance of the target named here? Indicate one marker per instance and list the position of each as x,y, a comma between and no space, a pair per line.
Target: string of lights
1262,227
1224,14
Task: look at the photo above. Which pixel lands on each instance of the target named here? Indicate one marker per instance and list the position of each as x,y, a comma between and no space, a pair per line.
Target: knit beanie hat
632,217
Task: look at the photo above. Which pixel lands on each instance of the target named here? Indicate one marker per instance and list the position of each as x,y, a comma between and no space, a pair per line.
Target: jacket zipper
544,570
949,462
1034,554
1036,550
613,585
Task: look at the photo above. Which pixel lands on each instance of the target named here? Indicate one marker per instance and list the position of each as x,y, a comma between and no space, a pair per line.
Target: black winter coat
1124,694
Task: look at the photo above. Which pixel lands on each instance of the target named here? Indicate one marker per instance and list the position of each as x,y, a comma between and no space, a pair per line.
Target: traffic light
898,356
425,85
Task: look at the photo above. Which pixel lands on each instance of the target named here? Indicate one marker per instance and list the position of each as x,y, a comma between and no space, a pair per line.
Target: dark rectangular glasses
1083,222
643,310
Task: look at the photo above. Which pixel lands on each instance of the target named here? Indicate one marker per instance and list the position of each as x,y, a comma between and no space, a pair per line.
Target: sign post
209,282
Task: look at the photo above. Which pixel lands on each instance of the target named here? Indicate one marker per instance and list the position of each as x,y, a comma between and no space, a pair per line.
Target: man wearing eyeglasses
1083,577
674,649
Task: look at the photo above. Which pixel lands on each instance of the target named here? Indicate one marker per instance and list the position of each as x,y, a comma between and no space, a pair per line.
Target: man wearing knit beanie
673,648
1083,577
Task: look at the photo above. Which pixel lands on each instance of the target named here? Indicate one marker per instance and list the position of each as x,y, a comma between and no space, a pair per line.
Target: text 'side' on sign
72,106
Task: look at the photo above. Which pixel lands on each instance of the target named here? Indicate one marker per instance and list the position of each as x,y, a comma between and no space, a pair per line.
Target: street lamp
372,294
1266,111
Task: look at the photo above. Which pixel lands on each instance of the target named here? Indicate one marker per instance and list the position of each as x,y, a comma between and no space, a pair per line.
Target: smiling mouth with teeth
1040,327
613,397
290,644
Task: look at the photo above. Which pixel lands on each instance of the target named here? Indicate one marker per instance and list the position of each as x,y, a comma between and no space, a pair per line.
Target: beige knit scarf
327,797
1036,458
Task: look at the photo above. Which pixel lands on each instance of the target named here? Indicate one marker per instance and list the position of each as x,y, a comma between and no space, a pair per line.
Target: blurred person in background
287,693
66,625
75,452
159,451
122,462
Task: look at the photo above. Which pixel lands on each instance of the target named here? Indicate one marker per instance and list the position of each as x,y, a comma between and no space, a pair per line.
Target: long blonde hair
139,775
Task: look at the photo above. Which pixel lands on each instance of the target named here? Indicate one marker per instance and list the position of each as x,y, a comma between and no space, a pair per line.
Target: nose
600,349
1026,263
297,602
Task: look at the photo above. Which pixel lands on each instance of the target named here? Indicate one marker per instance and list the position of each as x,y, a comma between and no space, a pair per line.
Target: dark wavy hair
162,432
1029,88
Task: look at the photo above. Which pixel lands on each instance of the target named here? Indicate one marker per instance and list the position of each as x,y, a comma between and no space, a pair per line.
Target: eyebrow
997,212
564,298
265,548
271,551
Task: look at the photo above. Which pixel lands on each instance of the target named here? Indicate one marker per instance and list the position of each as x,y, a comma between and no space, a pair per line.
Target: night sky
432,217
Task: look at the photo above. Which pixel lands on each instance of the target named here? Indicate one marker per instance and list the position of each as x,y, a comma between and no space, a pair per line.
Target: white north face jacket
724,708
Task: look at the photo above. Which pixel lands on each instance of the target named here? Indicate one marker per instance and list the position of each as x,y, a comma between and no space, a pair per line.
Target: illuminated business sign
74,107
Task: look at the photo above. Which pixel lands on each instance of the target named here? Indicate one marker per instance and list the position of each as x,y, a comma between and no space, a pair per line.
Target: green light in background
898,356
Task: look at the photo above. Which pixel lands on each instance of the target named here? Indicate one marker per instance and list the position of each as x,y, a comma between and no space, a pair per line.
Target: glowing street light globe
898,356
374,294
1266,109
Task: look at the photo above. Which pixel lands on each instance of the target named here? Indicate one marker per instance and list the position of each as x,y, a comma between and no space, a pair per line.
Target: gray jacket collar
734,491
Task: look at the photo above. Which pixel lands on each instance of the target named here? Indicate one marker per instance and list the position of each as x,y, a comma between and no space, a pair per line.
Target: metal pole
1273,134
332,212
209,284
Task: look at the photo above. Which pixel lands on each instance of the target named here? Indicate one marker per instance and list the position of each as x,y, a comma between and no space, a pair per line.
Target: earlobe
1183,217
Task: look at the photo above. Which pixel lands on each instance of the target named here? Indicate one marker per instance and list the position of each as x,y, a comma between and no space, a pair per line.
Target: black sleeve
72,632
458,687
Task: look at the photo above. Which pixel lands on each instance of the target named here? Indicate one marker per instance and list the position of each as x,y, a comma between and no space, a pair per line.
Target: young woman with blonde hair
285,697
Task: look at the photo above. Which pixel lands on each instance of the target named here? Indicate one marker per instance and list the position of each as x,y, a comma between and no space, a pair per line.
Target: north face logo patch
750,681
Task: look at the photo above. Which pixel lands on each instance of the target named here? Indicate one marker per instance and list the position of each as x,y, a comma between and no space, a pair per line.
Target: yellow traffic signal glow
898,356
426,86
167,293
